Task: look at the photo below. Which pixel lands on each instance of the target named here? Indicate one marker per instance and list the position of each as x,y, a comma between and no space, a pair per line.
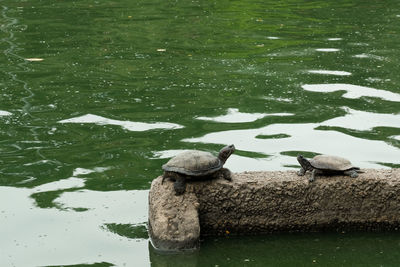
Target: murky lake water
97,95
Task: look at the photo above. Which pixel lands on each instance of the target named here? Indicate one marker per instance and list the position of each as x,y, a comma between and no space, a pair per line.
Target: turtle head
305,164
226,152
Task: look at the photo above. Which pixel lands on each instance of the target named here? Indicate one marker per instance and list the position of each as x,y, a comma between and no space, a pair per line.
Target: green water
292,250
118,87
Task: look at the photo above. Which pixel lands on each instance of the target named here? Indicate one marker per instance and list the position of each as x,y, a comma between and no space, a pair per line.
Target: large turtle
327,165
196,164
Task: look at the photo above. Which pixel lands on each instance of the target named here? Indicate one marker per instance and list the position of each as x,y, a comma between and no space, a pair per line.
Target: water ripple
369,56
302,137
353,91
5,113
48,226
363,121
128,125
327,49
234,116
330,72
60,185
69,183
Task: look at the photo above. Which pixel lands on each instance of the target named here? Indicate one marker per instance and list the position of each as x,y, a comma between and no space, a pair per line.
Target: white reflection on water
83,171
330,72
363,55
5,113
302,137
128,125
234,116
72,182
353,91
362,120
32,236
61,184
279,99
327,49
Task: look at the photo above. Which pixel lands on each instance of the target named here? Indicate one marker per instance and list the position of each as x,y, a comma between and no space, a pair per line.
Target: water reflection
127,125
234,116
72,182
5,113
60,185
75,235
353,91
278,99
330,72
364,55
327,49
211,56
301,137
363,120
330,249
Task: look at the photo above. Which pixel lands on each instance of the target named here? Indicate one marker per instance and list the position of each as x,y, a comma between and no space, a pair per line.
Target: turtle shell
193,163
327,162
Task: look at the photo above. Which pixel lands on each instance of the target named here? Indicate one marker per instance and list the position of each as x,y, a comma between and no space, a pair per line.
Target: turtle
195,164
327,165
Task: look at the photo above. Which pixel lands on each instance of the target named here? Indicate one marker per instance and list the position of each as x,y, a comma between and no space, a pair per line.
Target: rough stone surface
265,202
173,220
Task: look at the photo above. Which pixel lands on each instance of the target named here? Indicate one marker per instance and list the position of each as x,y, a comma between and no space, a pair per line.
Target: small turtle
196,164
327,165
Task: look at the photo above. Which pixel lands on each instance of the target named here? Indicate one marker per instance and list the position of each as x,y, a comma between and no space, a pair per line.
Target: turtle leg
180,185
167,175
312,177
305,165
226,174
351,173
301,172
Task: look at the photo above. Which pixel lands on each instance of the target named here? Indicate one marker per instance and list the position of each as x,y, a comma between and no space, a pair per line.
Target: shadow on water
329,249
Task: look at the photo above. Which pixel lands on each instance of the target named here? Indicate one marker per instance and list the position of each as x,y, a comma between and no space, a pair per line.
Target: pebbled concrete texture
266,202
173,220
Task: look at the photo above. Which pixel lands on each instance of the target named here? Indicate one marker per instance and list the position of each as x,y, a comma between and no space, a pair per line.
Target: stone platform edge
272,201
